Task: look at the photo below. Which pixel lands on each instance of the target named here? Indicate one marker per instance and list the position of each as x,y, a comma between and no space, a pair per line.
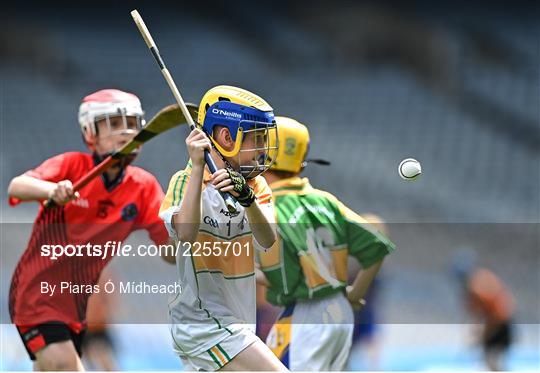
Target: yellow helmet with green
293,145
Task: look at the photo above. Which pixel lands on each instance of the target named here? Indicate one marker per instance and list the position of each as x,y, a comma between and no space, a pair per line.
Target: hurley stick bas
230,202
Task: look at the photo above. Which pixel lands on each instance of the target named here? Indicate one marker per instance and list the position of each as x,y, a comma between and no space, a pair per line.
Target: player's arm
358,289
186,221
28,188
369,246
262,225
169,255
260,278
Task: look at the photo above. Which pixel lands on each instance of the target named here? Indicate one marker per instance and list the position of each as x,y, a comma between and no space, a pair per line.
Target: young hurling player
124,199
214,315
307,271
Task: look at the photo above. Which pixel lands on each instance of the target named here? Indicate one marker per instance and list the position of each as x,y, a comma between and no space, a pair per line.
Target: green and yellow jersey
317,234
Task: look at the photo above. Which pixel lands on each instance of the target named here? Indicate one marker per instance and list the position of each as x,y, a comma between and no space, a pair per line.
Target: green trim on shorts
225,277
223,352
216,360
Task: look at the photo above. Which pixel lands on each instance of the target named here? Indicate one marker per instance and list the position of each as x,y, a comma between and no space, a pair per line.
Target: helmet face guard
124,129
246,125
263,137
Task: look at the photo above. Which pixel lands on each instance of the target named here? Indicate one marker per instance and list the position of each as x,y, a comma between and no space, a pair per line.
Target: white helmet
105,104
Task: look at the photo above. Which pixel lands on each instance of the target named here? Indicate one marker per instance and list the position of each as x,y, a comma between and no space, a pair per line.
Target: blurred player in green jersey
307,270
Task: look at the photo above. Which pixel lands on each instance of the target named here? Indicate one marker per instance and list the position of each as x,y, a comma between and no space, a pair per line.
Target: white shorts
221,353
314,334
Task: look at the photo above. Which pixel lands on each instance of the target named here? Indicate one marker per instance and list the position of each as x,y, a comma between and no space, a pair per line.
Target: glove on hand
245,193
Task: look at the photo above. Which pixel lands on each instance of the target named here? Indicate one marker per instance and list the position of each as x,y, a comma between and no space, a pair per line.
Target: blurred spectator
489,302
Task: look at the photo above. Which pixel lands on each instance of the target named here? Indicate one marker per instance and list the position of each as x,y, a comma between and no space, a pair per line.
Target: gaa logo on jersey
211,222
129,212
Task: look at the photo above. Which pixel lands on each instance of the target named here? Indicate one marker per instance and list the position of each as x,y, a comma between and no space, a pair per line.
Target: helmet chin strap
251,171
229,165
246,171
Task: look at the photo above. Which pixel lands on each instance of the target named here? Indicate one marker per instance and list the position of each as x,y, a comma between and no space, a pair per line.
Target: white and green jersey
317,234
216,272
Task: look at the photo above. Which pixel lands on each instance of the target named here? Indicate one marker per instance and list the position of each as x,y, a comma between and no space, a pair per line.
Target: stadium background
454,85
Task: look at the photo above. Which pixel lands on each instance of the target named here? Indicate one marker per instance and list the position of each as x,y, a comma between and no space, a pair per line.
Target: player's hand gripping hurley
227,197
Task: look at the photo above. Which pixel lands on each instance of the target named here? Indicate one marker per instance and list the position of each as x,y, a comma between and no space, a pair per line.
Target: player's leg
235,348
300,345
496,343
492,358
98,351
52,346
255,357
36,367
279,337
321,334
342,347
59,356
312,347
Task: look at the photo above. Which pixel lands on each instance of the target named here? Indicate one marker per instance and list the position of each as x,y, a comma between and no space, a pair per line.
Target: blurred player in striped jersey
124,199
213,318
490,303
307,272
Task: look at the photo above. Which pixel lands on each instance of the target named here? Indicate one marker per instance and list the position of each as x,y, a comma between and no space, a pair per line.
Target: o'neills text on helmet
226,113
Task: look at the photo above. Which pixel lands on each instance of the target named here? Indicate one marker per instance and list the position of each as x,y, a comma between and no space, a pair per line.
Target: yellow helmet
241,112
232,94
293,145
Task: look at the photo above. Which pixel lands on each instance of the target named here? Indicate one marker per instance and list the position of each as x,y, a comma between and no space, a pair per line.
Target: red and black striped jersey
100,215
